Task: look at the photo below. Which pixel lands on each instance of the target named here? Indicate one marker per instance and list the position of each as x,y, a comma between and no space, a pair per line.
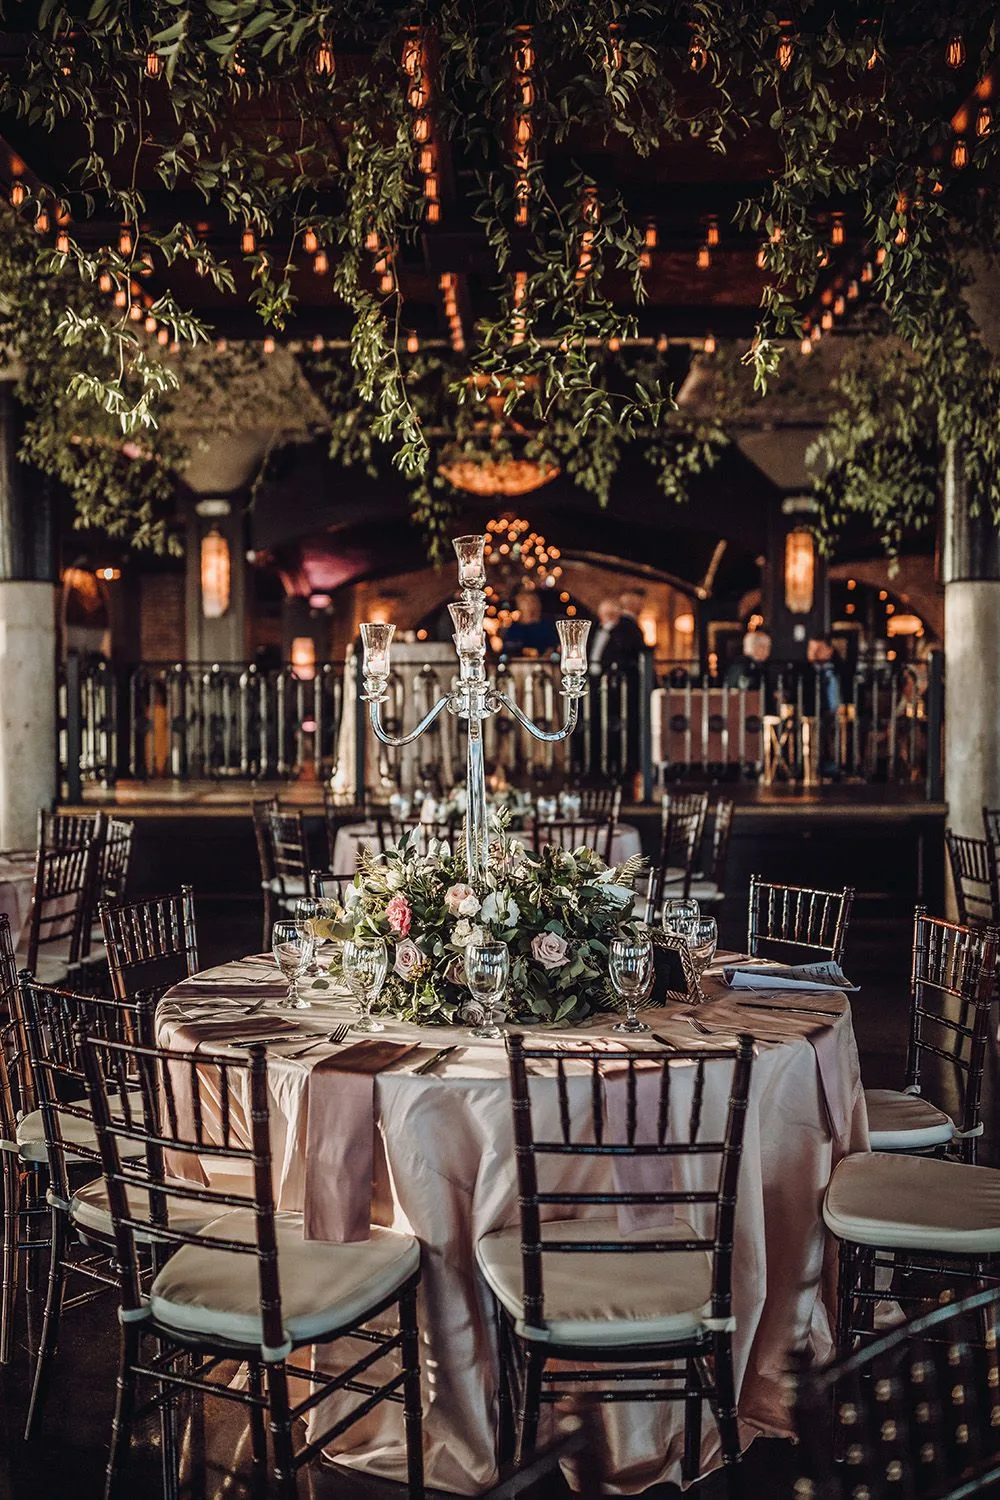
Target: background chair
671,1288
574,833
709,888
57,933
151,944
23,1180
249,1287
797,924
974,875
283,853
330,886
952,983
600,801
116,861
673,871
916,1412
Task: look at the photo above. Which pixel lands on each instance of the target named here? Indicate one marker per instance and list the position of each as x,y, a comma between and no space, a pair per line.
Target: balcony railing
659,722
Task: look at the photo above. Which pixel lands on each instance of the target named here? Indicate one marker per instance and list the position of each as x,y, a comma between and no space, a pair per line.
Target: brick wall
161,617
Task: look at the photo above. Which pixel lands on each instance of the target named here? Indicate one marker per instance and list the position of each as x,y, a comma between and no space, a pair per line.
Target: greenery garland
858,106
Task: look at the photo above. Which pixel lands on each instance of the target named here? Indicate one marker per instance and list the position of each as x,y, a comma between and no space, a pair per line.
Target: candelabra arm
396,742
549,737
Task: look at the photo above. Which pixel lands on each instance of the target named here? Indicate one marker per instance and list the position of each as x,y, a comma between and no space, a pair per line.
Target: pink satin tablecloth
444,1169
17,874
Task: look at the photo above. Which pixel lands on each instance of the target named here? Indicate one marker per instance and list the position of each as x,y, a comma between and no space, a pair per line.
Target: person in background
532,633
749,669
631,641
822,696
602,639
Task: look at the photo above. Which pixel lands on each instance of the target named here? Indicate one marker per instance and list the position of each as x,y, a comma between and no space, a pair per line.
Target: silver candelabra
472,697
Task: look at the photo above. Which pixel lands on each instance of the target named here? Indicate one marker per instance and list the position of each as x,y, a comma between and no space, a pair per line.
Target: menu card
826,975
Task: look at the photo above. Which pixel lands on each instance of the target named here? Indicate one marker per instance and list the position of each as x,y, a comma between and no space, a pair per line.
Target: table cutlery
434,1059
333,1038
654,1036
795,1010
251,1041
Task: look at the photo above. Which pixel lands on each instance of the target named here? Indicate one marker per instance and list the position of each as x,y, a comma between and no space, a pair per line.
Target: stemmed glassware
630,967
702,944
366,965
306,911
487,969
292,947
680,915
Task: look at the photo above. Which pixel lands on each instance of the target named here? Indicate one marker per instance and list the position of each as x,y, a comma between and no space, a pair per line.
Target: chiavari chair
793,917
331,887
578,1291
335,814
23,1178
952,984
709,889
974,875
673,871
916,1412
283,848
116,862
600,801
391,830
991,825
60,1136
248,1287
151,944
59,830
574,833
260,813
57,932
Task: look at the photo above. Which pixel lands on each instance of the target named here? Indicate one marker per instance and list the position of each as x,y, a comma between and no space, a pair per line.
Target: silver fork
334,1038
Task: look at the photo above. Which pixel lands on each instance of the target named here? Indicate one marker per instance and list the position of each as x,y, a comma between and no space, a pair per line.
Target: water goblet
292,947
487,969
630,963
680,914
366,965
306,910
702,943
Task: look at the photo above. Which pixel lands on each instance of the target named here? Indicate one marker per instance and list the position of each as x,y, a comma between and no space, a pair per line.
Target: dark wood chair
56,940
600,801
283,852
974,875
331,887
116,860
390,830
254,1290
575,833
673,871
550,1275
23,1181
794,923
151,944
709,888
916,1412
952,985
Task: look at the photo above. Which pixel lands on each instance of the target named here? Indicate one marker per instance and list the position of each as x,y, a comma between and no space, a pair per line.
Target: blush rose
549,950
399,916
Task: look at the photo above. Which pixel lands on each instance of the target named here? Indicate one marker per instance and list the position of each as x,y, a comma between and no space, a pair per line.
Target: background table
17,874
353,837
445,1170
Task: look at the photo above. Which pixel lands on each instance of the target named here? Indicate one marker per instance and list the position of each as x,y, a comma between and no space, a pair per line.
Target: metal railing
660,721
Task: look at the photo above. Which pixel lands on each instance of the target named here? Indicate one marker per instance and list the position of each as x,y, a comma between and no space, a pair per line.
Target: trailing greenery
253,98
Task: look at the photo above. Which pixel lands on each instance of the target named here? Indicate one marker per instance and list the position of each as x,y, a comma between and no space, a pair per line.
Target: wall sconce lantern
800,572
215,574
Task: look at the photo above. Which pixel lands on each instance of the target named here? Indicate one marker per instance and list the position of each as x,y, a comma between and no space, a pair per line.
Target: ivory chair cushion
90,1212
905,1122
216,1293
608,1298
706,891
914,1203
287,885
74,1131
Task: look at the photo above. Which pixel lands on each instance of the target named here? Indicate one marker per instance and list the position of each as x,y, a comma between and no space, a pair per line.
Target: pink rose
461,901
408,958
549,950
399,916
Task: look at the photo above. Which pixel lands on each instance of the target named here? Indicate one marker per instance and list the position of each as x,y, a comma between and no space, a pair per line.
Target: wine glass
292,947
487,969
366,964
630,967
702,943
680,915
306,911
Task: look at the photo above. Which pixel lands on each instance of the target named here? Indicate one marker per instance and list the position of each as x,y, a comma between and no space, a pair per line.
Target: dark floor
66,1463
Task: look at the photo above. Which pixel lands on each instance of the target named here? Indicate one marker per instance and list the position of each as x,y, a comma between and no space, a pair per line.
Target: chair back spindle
151,943
791,921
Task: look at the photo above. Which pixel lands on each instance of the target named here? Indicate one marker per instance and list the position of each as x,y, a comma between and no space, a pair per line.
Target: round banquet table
352,838
17,875
444,1170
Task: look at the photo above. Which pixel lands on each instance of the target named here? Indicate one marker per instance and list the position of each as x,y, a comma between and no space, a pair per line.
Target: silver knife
795,1010
437,1057
254,1041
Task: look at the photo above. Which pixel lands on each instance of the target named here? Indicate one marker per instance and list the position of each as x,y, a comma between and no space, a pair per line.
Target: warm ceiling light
838,233
806,345
421,128
125,241
269,345
826,321
709,344
17,194
432,212
42,222
310,243
704,259
321,263
984,121
248,241
150,324
960,153
412,344
62,242
324,61
215,569
800,572
839,307
954,54
649,236
785,53
712,232
152,65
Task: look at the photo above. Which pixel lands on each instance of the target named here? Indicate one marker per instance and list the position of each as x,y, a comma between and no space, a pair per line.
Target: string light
386,283
62,243
709,344
762,259
984,121
960,153
421,127
902,235
806,345
839,307
412,344
42,222
838,233
163,336
704,259
125,241
852,290
17,194
269,345
320,263
826,321
150,324
310,243
954,54
425,161
712,232
248,241
432,213
152,65
135,312
318,344
697,55
785,53
324,61
880,255
221,345
121,297
662,344
104,281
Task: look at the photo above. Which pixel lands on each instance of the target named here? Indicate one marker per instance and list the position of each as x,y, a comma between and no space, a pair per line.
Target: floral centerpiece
556,910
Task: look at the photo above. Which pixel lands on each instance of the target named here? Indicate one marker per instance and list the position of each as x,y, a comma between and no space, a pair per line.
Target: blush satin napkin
340,1139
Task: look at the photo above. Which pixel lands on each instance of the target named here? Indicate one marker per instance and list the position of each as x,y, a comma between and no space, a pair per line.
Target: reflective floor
66,1462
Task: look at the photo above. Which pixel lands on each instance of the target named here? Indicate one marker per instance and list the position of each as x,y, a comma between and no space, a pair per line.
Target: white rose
469,906
393,878
463,933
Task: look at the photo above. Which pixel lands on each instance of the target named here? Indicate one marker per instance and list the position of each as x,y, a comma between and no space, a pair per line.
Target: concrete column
27,643
971,575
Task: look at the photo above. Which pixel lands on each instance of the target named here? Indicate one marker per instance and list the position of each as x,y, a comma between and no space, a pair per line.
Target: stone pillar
970,558
27,641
